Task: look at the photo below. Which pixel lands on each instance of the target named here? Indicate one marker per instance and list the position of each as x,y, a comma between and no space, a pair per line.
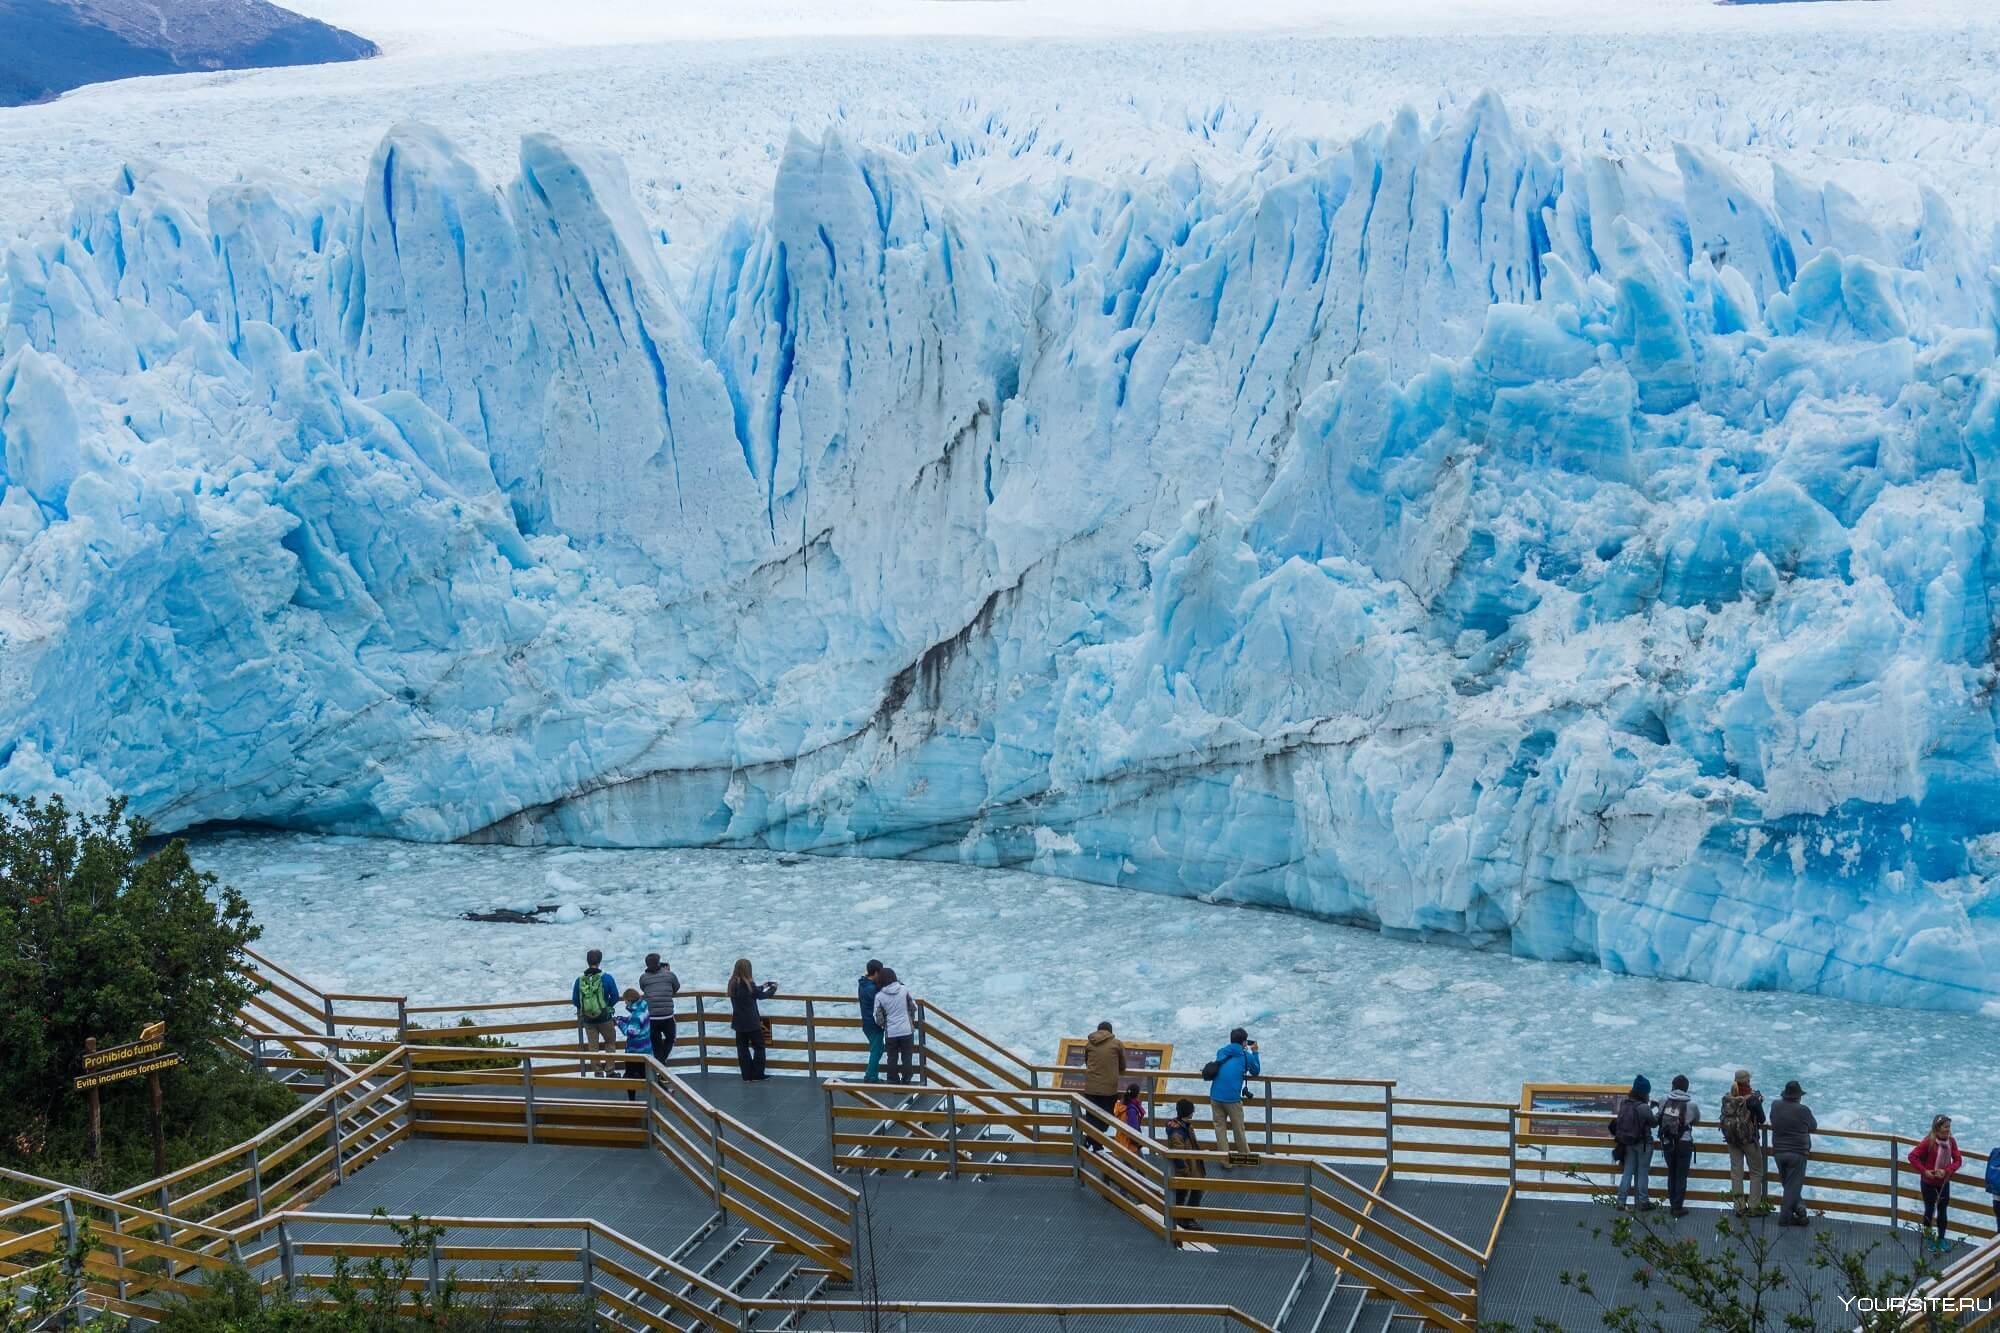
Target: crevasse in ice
1446,531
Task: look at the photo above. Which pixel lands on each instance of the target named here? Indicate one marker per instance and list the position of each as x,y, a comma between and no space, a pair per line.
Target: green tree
98,937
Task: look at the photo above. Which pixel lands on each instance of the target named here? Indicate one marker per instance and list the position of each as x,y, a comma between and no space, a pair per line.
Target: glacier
1453,530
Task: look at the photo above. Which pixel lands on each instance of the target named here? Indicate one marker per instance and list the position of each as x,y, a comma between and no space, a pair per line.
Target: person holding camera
1232,1067
747,1020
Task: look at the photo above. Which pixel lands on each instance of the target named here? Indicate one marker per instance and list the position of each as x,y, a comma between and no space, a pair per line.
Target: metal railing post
951,1133
286,1268
1389,1133
166,1210
256,1181
1306,1187
812,1044
701,1032
436,1278
1895,1187
333,1133
1167,1197
832,1148
715,1149
403,1036
528,1093
1513,1147
1267,1115
589,1260
1075,1145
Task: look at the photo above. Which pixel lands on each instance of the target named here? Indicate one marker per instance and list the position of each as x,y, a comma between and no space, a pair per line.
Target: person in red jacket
1937,1158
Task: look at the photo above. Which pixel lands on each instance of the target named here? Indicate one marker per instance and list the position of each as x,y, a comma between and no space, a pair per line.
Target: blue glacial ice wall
1444,531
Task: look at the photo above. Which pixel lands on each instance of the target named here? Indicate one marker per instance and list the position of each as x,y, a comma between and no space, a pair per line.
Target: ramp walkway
985,1196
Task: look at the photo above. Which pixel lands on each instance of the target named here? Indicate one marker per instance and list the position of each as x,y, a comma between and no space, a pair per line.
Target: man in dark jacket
1103,1071
1792,1126
864,992
659,985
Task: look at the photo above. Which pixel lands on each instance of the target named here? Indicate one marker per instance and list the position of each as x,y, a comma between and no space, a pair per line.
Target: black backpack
1210,1070
1630,1125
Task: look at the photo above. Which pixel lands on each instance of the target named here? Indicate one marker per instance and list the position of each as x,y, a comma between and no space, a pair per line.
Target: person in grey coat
1792,1126
659,985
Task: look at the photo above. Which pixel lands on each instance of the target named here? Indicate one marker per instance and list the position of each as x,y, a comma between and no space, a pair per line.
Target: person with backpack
1937,1159
896,1015
1233,1066
659,985
1180,1134
1792,1126
1678,1117
864,994
1103,1072
1742,1122
595,996
1632,1119
747,1021
637,1026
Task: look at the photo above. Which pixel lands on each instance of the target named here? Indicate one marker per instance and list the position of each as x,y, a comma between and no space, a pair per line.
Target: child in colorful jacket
637,1025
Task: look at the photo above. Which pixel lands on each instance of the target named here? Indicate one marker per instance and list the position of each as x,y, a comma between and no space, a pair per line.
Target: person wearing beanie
1632,1121
1678,1117
1792,1126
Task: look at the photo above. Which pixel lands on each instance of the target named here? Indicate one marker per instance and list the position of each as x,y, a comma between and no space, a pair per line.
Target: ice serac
1445,531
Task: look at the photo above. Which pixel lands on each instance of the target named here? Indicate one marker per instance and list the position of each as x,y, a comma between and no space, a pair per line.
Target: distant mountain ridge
48,47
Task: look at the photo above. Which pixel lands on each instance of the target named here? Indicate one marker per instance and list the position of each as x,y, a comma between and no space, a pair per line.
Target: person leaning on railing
1792,1126
659,985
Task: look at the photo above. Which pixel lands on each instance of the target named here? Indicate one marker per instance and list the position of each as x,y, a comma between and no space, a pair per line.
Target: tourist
896,1015
638,1026
1234,1066
1103,1071
1180,1134
1632,1119
1678,1117
1792,1126
659,985
1937,1160
1993,1182
864,994
1742,1122
595,996
1131,1111
747,1020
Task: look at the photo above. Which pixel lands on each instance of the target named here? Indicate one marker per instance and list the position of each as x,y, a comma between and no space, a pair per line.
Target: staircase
1330,1302
741,1262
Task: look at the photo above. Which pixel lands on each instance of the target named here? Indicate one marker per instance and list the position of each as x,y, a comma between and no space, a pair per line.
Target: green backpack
591,1000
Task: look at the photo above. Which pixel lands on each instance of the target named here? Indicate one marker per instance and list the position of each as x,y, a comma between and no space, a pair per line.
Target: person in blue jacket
864,992
1993,1182
1234,1063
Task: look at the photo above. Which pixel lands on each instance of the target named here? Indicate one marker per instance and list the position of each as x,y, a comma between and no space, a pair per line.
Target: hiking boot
1679,1212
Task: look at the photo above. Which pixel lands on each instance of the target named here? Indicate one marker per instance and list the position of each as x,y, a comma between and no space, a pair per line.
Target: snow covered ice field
1517,473
1027,961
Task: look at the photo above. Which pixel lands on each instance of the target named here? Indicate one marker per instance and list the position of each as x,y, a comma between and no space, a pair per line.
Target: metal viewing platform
982,1197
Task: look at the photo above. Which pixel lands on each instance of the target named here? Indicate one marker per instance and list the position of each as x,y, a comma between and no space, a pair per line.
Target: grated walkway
1048,1240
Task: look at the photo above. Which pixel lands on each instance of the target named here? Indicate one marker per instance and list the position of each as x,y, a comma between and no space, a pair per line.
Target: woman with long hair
747,1020
1937,1158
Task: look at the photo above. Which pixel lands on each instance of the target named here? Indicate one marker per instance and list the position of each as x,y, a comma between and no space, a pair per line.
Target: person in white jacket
896,1015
